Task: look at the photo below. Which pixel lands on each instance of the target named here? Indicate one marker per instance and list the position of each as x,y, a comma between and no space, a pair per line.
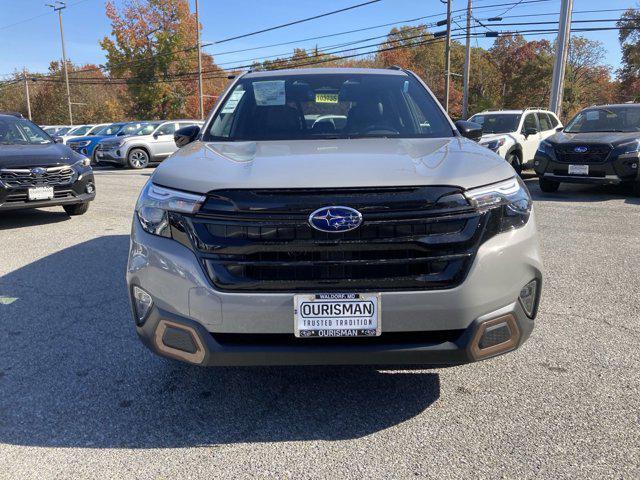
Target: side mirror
186,135
470,130
559,129
58,139
530,131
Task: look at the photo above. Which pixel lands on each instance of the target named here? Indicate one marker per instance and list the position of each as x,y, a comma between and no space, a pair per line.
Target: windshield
17,131
606,119
82,130
317,106
109,129
128,129
63,131
146,129
497,122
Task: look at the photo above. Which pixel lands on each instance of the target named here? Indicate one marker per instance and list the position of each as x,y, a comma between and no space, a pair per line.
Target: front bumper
183,295
213,349
76,192
614,171
115,155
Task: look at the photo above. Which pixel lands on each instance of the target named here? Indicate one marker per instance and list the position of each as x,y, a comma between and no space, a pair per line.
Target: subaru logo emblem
580,149
38,171
335,219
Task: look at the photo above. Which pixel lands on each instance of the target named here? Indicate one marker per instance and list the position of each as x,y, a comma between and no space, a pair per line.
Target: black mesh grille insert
593,154
416,238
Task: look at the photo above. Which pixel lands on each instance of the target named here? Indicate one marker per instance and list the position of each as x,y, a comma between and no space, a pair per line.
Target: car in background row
151,143
78,131
86,145
51,129
516,134
54,130
601,145
37,172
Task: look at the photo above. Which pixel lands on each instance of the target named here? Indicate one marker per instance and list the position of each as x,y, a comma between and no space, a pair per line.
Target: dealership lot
81,397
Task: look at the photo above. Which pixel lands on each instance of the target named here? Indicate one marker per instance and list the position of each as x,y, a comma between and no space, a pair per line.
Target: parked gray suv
152,142
333,216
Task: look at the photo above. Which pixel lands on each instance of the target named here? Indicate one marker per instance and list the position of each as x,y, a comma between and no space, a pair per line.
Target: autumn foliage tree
630,42
152,46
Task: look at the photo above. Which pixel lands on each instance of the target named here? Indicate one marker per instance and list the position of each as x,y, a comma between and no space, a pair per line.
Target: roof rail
395,67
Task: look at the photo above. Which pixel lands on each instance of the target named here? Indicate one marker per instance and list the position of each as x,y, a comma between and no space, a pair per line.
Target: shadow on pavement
30,217
73,374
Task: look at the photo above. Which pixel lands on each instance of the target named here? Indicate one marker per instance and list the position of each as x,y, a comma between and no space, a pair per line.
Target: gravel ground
80,397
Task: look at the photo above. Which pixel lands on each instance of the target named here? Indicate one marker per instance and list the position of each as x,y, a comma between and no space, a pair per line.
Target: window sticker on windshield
592,115
326,98
233,101
269,93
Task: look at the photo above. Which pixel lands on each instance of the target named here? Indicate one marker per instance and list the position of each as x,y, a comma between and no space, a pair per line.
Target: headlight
84,162
155,202
631,147
546,148
83,143
494,144
511,196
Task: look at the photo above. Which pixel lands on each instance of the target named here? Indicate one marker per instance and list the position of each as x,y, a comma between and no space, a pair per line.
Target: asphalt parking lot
80,397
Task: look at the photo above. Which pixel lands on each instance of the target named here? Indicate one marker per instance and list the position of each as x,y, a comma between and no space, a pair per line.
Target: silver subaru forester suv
333,216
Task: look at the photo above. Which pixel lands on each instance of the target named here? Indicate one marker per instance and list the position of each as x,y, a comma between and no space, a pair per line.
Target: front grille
261,240
25,178
594,153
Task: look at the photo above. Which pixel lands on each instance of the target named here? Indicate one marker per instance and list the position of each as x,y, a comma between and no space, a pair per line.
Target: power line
162,54
295,22
19,22
530,32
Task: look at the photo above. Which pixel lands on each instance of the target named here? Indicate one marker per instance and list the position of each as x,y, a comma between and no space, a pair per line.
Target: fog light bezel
511,344
140,319
531,313
195,358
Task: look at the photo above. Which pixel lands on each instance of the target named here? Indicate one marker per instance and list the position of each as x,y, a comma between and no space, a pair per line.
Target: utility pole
200,90
447,58
562,49
58,6
467,64
26,91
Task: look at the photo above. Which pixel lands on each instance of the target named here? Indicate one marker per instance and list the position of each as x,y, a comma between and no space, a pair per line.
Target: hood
487,137
201,167
96,138
612,138
49,155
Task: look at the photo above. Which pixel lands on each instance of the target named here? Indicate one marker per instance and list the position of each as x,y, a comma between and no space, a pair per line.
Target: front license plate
337,315
40,193
578,169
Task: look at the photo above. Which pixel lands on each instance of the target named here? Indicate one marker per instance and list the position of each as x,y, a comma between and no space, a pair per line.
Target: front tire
76,209
636,189
138,158
515,161
548,186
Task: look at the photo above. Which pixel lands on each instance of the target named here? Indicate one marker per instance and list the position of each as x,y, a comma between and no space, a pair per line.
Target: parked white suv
516,134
